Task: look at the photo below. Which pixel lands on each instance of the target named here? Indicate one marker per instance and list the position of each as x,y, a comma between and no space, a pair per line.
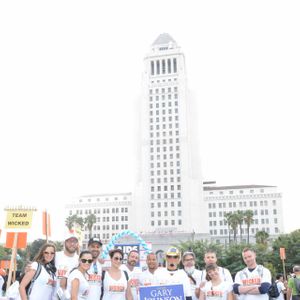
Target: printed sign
166,292
18,219
126,248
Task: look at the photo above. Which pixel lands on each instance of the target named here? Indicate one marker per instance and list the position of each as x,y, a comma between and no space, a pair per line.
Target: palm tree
240,220
234,222
227,217
89,221
248,219
70,220
262,237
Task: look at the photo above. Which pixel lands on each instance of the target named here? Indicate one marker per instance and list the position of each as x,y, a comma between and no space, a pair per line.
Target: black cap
94,240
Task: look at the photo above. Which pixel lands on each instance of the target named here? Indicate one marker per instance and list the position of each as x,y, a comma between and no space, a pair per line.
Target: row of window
164,66
165,156
165,204
163,141
165,172
163,98
164,180
163,80
164,164
166,222
263,212
255,221
99,211
163,112
164,119
166,213
231,192
165,196
163,105
252,230
112,227
163,90
106,199
165,188
242,204
164,149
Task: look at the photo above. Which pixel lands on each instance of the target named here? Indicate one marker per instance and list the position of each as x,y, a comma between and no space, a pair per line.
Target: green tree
248,219
227,217
72,220
240,219
89,221
234,222
261,237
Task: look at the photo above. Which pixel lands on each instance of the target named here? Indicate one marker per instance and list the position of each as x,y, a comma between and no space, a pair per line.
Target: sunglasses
118,258
49,253
84,261
171,256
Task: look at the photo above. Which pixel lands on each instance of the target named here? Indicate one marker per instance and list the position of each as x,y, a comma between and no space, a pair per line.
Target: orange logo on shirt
94,277
134,282
61,273
252,281
214,293
116,288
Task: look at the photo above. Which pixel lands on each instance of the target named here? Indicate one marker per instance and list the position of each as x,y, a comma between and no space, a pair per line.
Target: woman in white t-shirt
215,288
41,274
77,282
115,283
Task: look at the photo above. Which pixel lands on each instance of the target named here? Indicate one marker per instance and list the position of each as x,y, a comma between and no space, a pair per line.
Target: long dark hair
39,258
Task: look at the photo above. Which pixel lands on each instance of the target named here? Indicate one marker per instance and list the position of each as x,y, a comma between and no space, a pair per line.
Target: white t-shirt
114,289
255,278
95,281
64,264
147,278
165,277
84,287
281,288
1,284
218,292
223,272
133,279
44,285
197,275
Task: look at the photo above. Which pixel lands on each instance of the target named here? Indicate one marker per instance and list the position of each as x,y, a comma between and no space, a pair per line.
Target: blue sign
166,292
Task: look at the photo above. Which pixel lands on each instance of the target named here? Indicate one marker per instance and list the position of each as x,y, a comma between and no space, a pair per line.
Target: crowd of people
66,275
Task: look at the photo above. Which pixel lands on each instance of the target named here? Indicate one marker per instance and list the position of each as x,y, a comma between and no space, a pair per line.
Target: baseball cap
94,240
173,252
70,235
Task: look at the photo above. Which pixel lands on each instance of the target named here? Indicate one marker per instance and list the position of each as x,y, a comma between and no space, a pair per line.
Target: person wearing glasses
172,275
77,283
215,287
115,284
189,261
95,271
40,275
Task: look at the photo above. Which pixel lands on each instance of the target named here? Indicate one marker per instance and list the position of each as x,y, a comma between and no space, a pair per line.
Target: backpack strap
102,285
34,278
126,275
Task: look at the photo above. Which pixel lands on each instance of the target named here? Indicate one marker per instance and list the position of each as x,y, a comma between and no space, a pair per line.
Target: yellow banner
18,219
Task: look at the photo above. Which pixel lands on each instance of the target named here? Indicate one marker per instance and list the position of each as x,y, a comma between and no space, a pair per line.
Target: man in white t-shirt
147,277
254,281
65,261
95,271
133,271
189,261
281,287
210,257
172,275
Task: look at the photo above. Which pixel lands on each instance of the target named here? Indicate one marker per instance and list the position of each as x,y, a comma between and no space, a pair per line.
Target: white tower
169,195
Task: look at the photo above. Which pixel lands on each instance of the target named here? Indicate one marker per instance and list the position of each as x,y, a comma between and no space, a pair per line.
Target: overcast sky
71,75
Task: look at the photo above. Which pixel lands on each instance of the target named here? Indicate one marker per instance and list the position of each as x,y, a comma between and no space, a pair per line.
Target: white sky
70,77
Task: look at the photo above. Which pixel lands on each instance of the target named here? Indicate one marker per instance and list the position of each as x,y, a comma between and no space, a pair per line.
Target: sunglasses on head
89,261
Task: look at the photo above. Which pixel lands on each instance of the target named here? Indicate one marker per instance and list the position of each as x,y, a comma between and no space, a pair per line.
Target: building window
152,67
174,65
169,66
163,66
157,67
